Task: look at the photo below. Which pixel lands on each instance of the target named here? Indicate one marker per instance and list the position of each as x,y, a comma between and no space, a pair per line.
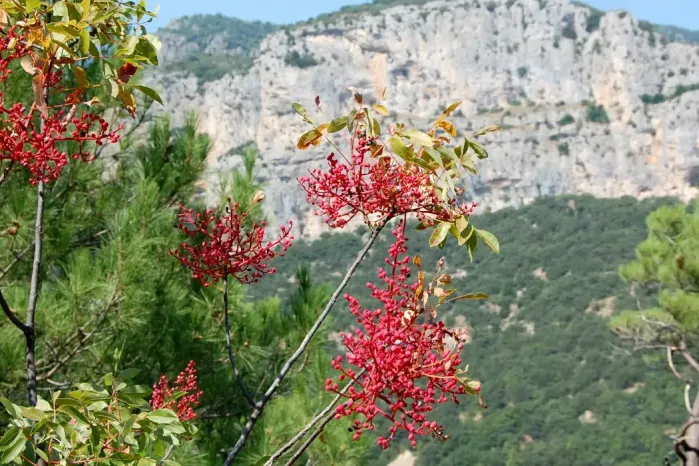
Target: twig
6,171
11,315
18,257
687,404
167,453
257,412
275,457
229,347
309,440
670,362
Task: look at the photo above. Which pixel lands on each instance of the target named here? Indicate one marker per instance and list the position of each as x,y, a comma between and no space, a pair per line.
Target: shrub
300,61
597,114
566,120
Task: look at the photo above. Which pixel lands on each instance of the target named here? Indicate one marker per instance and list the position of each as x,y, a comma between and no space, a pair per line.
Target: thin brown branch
34,295
257,412
6,171
18,257
229,347
671,363
11,315
276,456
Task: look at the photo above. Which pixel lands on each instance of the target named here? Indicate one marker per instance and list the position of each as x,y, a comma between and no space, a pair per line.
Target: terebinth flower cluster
226,246
377,189
186,382
402,359
36,137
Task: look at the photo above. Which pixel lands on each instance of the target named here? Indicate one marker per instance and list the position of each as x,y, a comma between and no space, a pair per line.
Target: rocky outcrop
588,102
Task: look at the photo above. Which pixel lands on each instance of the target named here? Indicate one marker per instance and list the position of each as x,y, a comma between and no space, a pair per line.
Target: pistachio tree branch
34,295
259,408
229,347
289,445
11,315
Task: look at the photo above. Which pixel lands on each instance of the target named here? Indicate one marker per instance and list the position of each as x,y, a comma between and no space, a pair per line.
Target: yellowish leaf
380,109
447,126
451,108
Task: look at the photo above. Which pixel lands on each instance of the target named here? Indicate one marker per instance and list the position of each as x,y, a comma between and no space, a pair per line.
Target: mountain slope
589,102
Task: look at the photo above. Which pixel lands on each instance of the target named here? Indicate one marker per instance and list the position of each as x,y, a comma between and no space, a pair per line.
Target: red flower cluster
36,147
186,382
228,247
376,189
404,359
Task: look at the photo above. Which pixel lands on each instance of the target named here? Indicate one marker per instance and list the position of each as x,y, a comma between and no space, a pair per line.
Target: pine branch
80,346
231,355
257,412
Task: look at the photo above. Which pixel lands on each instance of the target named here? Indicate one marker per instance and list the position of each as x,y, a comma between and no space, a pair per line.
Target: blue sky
683,13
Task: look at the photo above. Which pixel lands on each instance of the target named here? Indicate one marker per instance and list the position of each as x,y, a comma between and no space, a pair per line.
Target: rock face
588,102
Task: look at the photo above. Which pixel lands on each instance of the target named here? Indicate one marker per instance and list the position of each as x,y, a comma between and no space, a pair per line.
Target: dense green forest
541,345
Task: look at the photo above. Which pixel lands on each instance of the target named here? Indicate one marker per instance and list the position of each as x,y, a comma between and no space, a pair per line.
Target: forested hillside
559,388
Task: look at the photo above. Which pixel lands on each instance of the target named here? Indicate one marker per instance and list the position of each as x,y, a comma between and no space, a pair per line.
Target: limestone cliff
588,102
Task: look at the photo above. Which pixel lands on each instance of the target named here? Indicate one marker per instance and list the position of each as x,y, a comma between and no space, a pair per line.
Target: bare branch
670,362
229,347
310,425
257,412
11,315
34,294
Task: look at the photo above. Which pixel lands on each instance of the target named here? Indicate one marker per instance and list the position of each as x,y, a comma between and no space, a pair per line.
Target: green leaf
60,10
128,427
478,148
435,155
490,240
42,404
486,129
86,8
9,438
300,109
153,94
128,46
461,223
418,137
469,297
74,413
146,462
33,414
33,5
84,42
351,121
439,234
14,449
148,46
400,149
337,124
162,416
471,243
13,410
